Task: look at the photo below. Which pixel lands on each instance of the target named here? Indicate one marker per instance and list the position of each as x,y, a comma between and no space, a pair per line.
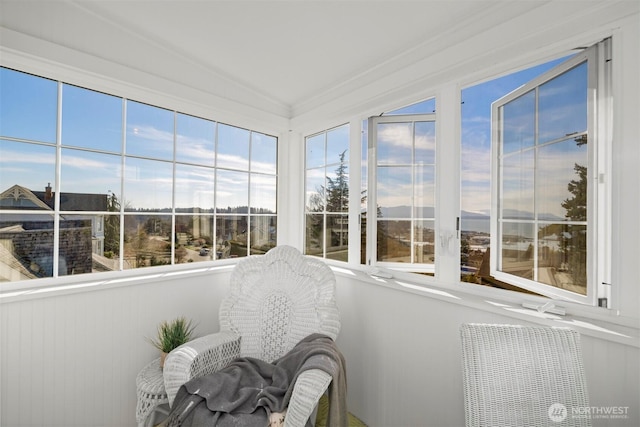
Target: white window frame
599,130
372,203
325,213
57,213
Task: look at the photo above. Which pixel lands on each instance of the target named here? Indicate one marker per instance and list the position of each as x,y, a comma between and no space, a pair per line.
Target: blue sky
93,121
92,140
476,134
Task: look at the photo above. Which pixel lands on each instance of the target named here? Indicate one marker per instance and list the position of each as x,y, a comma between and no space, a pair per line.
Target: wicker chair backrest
522,376
277,299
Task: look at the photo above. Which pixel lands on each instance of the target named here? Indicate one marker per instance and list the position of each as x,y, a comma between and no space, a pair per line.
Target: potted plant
172,334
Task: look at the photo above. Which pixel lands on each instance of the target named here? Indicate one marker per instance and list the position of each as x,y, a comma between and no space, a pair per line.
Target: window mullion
173,189
372,161
355,191
413,221
249,219
601,194
496,222
447,197
325,200
536,140
122,168
58,174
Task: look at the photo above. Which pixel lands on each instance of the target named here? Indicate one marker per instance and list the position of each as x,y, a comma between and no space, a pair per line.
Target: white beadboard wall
71,360
404,358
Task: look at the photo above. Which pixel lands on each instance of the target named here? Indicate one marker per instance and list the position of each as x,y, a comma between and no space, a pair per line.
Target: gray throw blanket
246,391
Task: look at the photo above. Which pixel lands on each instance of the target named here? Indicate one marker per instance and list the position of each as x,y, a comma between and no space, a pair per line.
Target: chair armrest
308,389
199,357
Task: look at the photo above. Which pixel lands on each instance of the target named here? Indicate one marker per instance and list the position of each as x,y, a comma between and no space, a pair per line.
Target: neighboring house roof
19,197
77,201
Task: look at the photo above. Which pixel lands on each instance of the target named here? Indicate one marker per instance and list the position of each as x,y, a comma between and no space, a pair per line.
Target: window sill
592,321
65,285
598,322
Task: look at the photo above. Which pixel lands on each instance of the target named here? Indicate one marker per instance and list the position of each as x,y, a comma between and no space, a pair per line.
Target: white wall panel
72,360
404,364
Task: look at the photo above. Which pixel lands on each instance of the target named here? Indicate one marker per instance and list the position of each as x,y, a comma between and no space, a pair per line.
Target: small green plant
173,334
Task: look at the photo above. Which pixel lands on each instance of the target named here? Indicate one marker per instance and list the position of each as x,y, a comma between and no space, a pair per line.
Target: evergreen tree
576,206
330,198
575,243
338,188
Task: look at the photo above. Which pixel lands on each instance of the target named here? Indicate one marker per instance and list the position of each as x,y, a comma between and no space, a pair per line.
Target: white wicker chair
522,376
276,300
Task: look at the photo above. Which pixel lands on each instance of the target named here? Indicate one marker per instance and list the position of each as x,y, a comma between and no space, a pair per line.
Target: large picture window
91,182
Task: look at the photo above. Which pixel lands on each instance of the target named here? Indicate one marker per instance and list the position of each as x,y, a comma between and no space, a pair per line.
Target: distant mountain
405,212
518,214
423,212
401,212
429,212
473,215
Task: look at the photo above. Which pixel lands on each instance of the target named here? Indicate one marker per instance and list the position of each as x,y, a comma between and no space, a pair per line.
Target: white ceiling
281,57
285,52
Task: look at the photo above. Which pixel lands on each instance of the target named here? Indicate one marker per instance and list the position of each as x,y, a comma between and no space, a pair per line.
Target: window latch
548,307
